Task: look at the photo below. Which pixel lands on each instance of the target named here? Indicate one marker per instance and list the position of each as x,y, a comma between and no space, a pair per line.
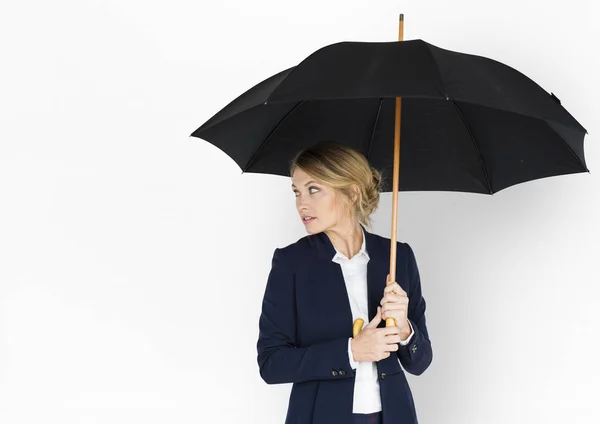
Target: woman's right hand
373,344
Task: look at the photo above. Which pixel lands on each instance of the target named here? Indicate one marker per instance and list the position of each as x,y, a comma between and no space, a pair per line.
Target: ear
355,191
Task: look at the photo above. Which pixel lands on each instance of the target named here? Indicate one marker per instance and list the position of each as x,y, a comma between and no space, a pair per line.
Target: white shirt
367,398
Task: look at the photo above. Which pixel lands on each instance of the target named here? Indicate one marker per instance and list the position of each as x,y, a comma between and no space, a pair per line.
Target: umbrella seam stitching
437,67
374,128
283,80
472,137
567,144
269,136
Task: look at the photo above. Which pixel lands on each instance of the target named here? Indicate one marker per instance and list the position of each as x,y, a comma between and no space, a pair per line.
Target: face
318,201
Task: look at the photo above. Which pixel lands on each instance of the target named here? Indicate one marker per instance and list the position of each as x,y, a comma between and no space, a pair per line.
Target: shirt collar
362,252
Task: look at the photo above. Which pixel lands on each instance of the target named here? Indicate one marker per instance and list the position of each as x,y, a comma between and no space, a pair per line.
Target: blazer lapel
376,272
335,290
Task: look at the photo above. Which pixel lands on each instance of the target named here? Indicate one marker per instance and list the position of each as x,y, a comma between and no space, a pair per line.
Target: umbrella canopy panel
469,123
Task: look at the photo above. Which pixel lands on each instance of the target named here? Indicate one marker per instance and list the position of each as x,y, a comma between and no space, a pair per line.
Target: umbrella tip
401,16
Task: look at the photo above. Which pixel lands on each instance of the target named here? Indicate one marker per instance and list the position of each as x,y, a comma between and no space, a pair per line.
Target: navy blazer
306,321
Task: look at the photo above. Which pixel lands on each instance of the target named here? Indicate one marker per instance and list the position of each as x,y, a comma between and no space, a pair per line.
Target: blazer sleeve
416,356
280,359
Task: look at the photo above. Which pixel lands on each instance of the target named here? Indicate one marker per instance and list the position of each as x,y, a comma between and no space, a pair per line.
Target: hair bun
377,178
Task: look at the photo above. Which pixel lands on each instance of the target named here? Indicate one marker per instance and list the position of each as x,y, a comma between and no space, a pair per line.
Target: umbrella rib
487,179
269,136
374,127
437,67
567,146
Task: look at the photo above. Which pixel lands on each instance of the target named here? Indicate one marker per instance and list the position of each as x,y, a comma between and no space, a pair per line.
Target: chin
313,229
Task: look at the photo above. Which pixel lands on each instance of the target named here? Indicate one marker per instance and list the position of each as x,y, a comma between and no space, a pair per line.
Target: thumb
376,320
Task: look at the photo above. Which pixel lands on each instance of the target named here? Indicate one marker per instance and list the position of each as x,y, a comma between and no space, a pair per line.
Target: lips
309,219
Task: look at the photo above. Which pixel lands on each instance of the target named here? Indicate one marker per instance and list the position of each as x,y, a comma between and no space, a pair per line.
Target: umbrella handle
358,323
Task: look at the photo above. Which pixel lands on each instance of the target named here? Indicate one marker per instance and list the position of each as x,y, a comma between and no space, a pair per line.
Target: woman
320,284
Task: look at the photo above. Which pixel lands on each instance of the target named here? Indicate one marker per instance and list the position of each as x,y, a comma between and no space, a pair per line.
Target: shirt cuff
353,363
412,331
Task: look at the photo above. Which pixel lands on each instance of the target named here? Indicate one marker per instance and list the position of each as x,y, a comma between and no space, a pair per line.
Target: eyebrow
311,181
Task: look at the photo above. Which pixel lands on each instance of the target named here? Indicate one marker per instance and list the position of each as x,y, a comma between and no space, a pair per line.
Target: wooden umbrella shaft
395,184
358,323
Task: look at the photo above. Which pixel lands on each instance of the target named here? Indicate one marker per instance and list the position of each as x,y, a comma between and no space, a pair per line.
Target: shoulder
385,243
292,253
301,248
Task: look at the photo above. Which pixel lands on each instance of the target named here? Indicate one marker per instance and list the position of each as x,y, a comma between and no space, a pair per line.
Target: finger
391,347
393,298
389,310
394,329
391,341
397,316
376,320
394,287
394,295
383,335
392,338
391,285
397,306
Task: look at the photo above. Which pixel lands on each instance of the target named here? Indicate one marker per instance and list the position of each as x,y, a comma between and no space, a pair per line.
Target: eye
309,189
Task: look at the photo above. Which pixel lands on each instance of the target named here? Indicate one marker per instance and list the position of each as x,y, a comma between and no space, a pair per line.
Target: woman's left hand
394,304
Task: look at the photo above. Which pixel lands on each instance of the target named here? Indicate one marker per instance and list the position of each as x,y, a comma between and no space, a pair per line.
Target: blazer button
342,372
383,375
334,373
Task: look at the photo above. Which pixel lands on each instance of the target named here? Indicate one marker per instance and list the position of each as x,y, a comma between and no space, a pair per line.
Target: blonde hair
342,168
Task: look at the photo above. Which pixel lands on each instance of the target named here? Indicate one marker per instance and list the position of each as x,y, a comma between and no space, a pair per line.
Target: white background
133,258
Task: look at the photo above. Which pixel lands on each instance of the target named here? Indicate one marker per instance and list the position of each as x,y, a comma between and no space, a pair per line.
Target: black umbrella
469,123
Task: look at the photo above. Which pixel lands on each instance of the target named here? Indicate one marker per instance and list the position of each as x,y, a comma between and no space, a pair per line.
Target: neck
347,240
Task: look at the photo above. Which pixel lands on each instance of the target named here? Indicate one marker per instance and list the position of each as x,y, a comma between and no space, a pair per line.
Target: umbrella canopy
469,123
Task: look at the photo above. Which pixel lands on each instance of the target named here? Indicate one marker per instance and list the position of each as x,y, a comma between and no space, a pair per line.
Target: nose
301,205
302,202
